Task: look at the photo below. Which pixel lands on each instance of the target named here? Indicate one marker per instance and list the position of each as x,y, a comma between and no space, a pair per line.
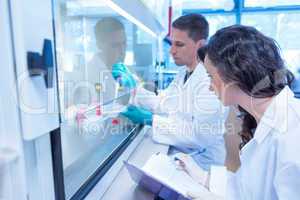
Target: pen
182,165
191,154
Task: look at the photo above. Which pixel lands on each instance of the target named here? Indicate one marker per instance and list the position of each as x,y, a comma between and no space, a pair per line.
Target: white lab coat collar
275,117
198,72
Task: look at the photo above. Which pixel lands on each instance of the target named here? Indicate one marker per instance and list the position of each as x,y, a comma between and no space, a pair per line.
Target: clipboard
151,184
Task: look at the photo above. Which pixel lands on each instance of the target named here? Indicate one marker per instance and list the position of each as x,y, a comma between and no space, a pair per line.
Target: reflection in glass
111,43
90,38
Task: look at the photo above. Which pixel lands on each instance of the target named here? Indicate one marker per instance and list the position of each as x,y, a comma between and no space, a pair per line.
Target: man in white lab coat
187,114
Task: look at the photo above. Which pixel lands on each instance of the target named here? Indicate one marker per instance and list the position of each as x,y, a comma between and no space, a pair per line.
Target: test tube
98,110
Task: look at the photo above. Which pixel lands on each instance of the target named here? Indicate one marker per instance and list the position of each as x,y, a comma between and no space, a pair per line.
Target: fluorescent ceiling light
125,14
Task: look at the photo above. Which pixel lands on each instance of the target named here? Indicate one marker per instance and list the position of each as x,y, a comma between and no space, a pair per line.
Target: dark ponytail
248,126
253,62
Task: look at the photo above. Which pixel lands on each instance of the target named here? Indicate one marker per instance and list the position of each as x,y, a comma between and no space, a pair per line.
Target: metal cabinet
29,106
32,28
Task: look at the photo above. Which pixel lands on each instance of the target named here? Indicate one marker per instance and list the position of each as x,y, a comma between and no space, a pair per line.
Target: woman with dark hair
247,70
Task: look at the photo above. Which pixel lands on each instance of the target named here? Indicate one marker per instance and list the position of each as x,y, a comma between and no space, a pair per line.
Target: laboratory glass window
217,22
90,38
268,3
205,4
284,28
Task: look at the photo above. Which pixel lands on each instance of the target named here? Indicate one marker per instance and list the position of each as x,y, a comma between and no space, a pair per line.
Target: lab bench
122,186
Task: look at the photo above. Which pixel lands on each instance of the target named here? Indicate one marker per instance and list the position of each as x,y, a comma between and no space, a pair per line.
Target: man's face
114,47
183,49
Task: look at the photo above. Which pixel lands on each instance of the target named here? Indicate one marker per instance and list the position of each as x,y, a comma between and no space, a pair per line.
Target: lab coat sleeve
287,175
153,102
218,180
184,131
287,182
146,99
198,128
223,183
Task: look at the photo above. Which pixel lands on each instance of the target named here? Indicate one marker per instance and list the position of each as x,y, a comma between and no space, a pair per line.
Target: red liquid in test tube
80,116
115,121
98,110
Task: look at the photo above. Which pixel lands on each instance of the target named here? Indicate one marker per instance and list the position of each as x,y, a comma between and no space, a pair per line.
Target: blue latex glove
122,74
138,115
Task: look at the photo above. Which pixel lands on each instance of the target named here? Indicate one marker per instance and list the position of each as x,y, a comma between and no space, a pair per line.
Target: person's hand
188,164
122,74
138,115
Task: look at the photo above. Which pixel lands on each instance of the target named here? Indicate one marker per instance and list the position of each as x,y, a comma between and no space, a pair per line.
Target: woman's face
225,91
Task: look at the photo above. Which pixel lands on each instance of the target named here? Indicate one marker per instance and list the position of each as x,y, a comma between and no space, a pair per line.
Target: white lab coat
188,115
270,162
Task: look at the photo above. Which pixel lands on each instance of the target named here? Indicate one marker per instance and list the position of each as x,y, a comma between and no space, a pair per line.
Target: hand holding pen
186,163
